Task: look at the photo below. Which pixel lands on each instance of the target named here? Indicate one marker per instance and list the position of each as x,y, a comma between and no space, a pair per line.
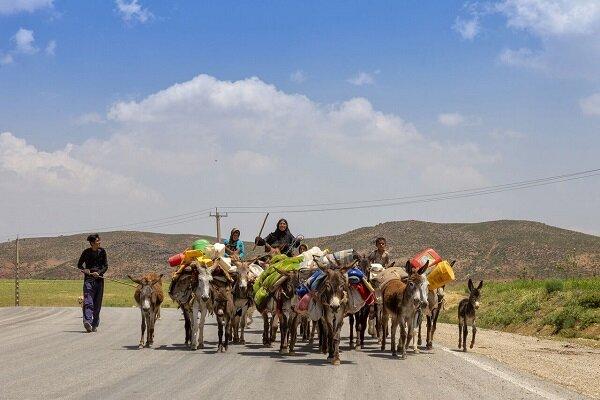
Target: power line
418,196
427,200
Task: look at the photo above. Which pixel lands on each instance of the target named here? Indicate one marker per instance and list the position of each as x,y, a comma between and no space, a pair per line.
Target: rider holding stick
281,239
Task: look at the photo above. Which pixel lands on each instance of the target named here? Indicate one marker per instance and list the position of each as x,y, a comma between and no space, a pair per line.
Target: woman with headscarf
281,239
234,245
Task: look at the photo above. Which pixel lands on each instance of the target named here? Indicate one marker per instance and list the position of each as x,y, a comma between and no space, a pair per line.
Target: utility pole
218,217
17,272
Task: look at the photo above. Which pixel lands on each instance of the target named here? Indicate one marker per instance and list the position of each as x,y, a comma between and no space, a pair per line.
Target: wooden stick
261,229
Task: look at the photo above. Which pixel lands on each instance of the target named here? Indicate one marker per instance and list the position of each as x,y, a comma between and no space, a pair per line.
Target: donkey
401,301
242,300
149,296
333,295
222,298
435,303
192,294
361,316
466,315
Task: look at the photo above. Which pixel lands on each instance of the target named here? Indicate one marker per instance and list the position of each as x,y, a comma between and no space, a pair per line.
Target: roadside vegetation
563,307
64,293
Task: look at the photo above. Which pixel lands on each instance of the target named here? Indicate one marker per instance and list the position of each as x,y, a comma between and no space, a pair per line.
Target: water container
176,260
440,275
191,255
426,255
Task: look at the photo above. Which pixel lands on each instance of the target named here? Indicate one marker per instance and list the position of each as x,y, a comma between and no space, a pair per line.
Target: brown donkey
466,315
224,308
401,301
333,295
149,296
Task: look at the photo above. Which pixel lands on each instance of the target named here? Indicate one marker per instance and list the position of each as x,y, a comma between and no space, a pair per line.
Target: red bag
302,306
363,291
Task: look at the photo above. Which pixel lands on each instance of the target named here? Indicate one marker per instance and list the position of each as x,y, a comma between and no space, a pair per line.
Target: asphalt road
44,354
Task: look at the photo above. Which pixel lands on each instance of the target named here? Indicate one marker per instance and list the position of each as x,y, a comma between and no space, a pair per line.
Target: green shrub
553,285
589,300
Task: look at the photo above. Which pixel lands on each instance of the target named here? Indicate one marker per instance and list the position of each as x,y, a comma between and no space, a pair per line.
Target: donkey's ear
470,285
452,263
422,270
134,280
480,285
408,267
391,265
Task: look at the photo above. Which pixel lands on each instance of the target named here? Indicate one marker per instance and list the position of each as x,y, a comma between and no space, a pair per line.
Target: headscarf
233,243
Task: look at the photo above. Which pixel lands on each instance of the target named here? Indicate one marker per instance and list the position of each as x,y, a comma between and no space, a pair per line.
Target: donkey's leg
203,312
194,325
243,325
459,333
220,332
403,344
363,328
228,327
274,327
393,335
283,343
313,327
141,345
150,333
330,335
464,338
187,325
384,326
351,331
412,333
266,328
474,328
295,319
419,323
336,342
429,341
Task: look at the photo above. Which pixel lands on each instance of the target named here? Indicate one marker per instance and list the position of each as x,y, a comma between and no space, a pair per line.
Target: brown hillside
498,249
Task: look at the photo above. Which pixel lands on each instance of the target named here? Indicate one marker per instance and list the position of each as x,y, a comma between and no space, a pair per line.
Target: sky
143,115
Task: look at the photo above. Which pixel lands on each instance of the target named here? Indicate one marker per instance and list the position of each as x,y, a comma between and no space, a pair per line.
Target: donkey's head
474,293
333,292
417,286
204,280
146,292
363,262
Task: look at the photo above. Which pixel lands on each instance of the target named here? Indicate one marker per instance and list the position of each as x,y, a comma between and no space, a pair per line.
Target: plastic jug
426,255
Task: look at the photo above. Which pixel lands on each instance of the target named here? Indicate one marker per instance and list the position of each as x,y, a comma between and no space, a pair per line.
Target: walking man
93,263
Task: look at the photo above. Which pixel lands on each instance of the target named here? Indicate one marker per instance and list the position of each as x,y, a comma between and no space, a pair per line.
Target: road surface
44,354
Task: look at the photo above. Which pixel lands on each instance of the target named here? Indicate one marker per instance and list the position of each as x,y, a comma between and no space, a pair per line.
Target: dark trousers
93,289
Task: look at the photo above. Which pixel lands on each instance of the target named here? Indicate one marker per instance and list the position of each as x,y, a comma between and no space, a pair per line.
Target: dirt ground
570,364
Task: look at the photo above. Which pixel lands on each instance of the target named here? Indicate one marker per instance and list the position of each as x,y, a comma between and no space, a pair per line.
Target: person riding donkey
234,245
281,239
380,255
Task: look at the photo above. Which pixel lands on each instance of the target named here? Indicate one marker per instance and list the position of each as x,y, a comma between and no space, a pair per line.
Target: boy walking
94,264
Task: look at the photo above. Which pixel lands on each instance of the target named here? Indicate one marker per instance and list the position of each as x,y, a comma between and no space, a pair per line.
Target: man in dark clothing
94,259
281,238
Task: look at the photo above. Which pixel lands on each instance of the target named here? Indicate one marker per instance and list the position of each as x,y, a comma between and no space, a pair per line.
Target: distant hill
497,249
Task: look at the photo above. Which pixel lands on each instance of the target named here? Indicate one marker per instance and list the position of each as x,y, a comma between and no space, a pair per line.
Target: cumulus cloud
133,11
17,6
451,119
467,28
590,105
507,134
568,33
24,41
298,76
51,48
361,79
60,172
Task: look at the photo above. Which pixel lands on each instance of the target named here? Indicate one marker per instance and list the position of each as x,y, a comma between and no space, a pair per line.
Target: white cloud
507,134
16,6
253,162
24,41
89,118
51,48
522,57
6,59
552,17
362,78
451,119
133,11
590,105
468,29
298,76
60,172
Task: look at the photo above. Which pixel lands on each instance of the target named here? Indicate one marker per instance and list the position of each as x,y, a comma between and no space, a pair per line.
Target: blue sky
356,100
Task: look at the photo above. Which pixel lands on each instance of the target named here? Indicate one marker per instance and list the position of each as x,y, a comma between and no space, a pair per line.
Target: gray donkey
466,315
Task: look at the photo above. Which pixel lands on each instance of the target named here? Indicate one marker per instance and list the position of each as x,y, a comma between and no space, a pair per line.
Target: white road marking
512,378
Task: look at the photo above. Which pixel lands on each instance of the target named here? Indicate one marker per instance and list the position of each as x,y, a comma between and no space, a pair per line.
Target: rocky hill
497,249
